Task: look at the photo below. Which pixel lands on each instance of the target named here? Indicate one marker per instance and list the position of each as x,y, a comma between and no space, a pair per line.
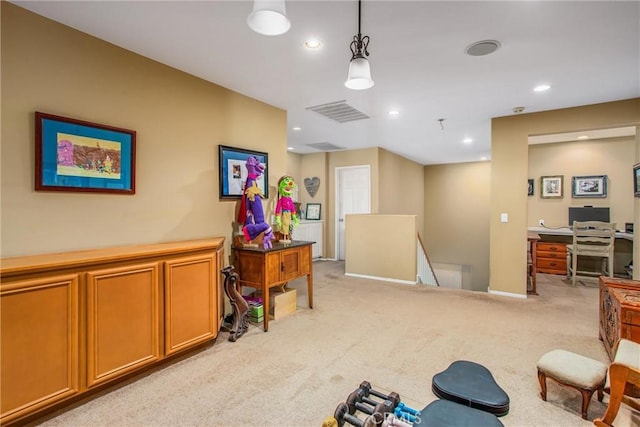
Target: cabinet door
191,301
39,326
122,321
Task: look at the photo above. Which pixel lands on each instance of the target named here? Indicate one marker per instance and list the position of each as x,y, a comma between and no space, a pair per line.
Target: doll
251,212
286,217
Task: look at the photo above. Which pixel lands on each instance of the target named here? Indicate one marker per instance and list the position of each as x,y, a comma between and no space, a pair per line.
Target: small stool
575,371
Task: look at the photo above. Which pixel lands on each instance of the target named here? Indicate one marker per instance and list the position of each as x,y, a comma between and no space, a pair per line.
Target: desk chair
593,239
623,381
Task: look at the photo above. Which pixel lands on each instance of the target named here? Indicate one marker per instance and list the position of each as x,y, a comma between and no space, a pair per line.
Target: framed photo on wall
79,156
589,186
636,180
551,187
313,211
233,171
530,187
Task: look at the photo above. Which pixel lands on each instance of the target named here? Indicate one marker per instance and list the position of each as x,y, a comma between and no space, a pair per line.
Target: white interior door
353,193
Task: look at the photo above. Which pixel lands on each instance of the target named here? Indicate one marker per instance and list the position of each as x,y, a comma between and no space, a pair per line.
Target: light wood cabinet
551,258
76,321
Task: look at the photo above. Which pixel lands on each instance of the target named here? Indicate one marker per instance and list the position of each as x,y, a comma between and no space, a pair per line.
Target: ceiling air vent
339,111
325,146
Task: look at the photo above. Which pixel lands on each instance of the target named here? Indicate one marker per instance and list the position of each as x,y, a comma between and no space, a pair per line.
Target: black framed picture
636,180
313,211
80,156
530,191
232,168
589,186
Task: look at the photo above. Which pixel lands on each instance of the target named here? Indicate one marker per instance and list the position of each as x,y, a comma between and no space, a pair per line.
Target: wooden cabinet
551,258
263,269
619,312
75,321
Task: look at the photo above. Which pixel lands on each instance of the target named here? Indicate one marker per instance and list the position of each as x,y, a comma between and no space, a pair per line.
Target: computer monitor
588,213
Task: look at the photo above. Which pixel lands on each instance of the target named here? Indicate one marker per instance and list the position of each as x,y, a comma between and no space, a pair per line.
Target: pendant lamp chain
359,70
359,44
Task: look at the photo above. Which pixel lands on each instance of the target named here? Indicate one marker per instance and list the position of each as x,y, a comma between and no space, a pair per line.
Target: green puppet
286,217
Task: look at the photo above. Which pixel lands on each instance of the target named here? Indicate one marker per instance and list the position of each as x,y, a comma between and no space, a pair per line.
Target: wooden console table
263,269
619,312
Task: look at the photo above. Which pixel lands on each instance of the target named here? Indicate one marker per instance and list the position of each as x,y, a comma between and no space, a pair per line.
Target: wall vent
339,111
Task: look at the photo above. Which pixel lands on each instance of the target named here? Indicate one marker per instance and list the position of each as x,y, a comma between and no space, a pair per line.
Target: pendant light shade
359,74
269,18
359,70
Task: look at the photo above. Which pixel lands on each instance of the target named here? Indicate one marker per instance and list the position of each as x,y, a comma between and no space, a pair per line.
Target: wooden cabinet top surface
277,246
35,263
627,297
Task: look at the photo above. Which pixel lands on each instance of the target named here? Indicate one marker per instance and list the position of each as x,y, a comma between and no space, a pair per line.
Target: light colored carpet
393,335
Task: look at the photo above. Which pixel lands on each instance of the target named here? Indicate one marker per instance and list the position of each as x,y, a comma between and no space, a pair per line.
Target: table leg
265,295
310,287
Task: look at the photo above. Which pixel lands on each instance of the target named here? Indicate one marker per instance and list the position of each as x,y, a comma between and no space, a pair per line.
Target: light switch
504,217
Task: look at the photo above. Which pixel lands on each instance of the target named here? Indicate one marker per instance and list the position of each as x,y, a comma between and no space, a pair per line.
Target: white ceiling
588,51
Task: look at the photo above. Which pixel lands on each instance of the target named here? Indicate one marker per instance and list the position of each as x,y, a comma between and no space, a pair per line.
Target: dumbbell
377,409
342,414
393,396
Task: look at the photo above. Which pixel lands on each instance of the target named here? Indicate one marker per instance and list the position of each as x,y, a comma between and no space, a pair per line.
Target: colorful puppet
286,217
251,213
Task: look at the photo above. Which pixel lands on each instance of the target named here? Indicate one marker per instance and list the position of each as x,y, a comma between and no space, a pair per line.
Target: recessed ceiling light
394,113
296,128
541,88
312,44
289,148
467,140
583,137
483,158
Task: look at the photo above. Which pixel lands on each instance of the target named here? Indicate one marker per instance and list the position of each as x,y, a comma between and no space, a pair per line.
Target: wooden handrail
426,254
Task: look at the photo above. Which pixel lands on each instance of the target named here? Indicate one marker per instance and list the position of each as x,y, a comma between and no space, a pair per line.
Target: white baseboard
507,294
384,279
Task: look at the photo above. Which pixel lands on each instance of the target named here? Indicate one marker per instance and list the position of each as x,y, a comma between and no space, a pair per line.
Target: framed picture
530,191
551,187
313,211
74,155
636,180
233,171
589,186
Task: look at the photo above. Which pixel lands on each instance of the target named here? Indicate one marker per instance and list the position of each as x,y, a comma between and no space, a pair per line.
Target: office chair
592,239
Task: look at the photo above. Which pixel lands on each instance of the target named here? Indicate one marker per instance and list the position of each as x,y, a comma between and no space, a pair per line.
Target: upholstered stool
471,384
575,371
444,413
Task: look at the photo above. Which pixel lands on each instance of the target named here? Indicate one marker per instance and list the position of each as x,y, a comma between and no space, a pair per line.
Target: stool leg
600,393
542,378
586,399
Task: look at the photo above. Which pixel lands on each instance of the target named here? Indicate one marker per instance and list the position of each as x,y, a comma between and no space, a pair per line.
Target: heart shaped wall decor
312,185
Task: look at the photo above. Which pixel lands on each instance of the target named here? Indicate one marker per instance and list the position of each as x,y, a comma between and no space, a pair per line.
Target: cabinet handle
282,266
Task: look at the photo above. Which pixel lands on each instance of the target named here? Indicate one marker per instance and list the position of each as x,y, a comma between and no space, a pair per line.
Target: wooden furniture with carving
551,257
73,323
619,311
624,381
263,269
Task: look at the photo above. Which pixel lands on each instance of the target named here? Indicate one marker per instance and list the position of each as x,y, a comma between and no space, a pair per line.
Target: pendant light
359,71
269,18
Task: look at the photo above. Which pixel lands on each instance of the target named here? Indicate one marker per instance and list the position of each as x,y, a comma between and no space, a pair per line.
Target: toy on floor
286,217
251,213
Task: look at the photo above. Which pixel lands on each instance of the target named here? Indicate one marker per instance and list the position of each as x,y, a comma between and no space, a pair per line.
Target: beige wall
456,210
392,257
509,173
401,187
179,119
611,157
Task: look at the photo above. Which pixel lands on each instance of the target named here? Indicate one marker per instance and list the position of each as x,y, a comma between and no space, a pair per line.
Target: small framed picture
551,187
589,186
530,191
636,180
313,211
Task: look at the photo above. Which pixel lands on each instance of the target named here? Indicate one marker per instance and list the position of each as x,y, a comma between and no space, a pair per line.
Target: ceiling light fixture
296,128
394,113
541,88
312,44
269,18
359,71
467,140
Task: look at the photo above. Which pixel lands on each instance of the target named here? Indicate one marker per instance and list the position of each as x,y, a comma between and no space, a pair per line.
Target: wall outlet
541,222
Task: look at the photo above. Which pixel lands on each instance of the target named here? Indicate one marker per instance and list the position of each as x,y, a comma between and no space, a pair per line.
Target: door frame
338,202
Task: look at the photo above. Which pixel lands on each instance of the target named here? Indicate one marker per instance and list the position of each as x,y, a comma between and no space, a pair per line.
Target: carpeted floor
393,335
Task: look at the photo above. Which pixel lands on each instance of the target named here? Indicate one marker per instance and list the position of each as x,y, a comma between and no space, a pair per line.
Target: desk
532,243
623,248
263,269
